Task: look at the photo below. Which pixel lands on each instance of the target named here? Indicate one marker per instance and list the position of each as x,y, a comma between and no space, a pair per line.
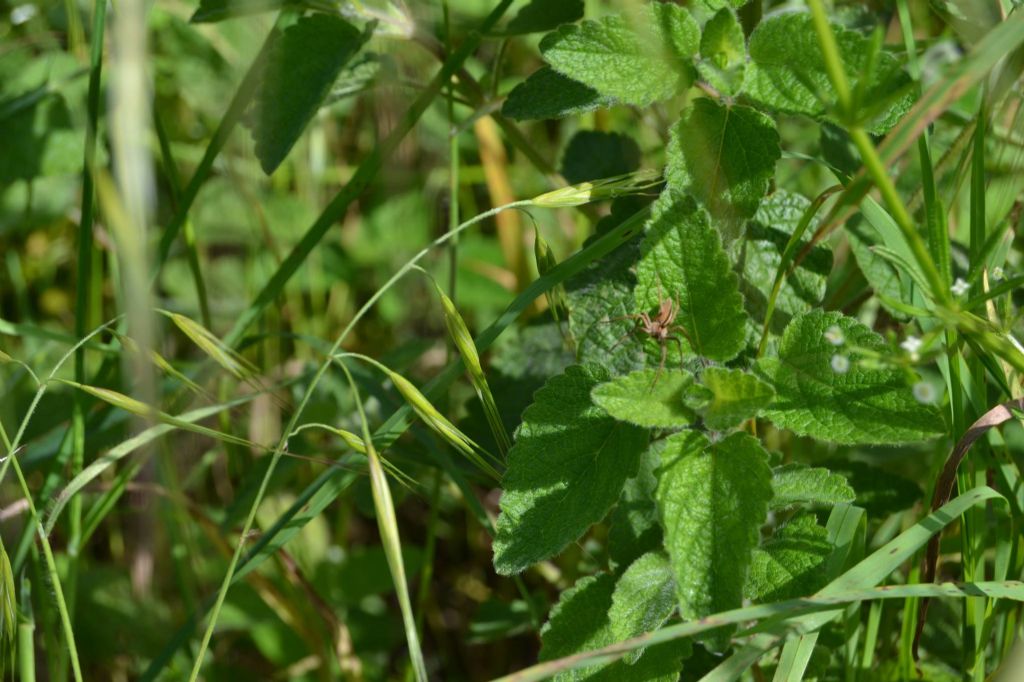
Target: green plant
709,442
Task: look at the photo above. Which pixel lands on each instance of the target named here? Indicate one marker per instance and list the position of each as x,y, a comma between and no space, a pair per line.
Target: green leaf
633,526
758,261
861,405
787,72
791,562
566,469
549,94
648,398
880,492
735,396
725,157
300,70
210,11
544,15
682,260
881,275
579,622
644,598
593,154
796,484
636,63
601,298
723,53
712,500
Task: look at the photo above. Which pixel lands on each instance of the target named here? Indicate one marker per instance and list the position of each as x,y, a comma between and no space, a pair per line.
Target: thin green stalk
174,180
51,564
364,175
84,284
293,422
453,169
935,222
869,155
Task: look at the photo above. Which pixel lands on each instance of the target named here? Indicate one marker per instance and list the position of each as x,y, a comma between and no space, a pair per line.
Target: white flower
997,272
22,14
924,392
840,364
834,335
959,287
912,345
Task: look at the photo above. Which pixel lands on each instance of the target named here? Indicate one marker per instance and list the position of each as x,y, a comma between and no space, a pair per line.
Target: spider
661,327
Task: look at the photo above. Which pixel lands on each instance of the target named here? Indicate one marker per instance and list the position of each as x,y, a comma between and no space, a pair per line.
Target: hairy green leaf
644,598
633,526
544,15
682,260
796,484
758,261
735,396
725,157
790,564
858,405
594,154
580,622
635,59
566,469
787,73
549,94
723,53
648,398
712,500
300,70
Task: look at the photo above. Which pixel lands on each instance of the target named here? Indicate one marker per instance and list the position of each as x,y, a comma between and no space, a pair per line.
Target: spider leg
661,365
679,344
623,338
620,318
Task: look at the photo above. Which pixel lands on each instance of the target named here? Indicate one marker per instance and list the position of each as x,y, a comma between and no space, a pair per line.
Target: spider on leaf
661,327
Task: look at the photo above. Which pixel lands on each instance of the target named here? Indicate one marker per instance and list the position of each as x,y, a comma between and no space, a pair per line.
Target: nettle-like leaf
723,53
682,259
644,598
725,157
859,405
544,15
549,94
299,72
712,499
796,484
580,622
601,299
648,398
787,72
791,563
758,261
633,526
735,397
637,59
565,471
594,154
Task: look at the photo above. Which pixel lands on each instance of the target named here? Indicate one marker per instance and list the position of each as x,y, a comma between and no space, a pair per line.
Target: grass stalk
387,523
